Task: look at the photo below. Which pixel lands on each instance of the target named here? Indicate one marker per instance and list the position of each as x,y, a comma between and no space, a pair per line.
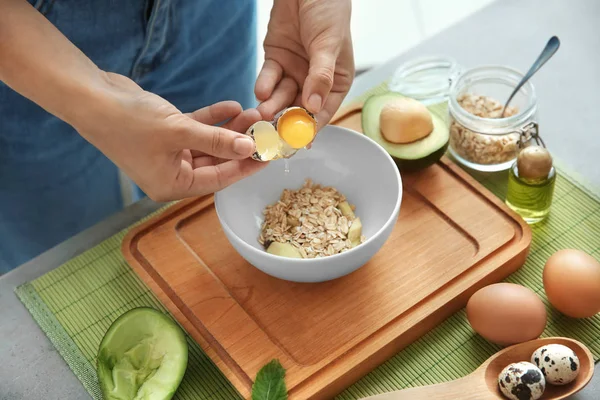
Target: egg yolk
267,141
296,128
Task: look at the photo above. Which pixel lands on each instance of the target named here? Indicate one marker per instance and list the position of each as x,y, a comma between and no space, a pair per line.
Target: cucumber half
411,156
143,356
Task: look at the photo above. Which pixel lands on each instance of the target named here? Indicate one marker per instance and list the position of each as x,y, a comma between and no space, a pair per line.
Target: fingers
204,161
293,65
186,155
320,78
190,182
239,123
282,96
217,112
270,74
334,100
213,178
242,121
343,77
198,133
212,140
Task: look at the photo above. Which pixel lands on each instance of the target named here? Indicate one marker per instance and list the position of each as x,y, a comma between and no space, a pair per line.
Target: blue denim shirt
193,53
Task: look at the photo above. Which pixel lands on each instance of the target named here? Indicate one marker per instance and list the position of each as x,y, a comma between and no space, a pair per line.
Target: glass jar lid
427,79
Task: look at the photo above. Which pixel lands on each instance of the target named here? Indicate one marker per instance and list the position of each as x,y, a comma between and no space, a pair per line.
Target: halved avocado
413,156
143,356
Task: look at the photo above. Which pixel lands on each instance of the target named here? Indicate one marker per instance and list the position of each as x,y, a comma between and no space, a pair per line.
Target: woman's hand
309,59
170,155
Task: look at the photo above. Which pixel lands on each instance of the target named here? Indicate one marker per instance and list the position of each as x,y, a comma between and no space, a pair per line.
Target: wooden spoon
483,382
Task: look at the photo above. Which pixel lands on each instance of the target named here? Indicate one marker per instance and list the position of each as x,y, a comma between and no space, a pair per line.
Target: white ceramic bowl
347,160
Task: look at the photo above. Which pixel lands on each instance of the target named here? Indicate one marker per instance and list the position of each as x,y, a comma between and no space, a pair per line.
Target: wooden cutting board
452,238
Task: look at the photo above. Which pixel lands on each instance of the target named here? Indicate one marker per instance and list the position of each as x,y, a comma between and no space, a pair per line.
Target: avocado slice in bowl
143,356
420,138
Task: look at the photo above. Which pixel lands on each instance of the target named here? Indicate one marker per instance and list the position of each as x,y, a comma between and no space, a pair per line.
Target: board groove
181,209
445,217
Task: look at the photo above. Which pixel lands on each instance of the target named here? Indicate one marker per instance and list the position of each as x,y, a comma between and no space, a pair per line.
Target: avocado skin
403,164
422,163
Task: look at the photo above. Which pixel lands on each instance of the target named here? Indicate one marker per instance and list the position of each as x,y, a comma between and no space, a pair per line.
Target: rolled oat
481,148
310,220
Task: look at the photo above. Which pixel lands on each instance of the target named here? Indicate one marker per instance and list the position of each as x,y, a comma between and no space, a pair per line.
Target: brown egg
572,283
506,313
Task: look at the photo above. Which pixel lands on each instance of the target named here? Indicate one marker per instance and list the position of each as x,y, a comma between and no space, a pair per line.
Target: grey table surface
506,32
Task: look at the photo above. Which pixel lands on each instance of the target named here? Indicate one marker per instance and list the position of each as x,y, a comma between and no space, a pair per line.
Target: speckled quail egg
522,381
558,363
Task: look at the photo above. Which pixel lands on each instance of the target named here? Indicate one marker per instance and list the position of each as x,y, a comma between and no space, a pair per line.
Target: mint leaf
270,383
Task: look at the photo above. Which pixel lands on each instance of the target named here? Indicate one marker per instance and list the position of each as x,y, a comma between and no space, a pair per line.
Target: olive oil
530,198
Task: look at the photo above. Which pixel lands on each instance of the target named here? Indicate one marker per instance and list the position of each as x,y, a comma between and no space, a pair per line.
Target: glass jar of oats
479,138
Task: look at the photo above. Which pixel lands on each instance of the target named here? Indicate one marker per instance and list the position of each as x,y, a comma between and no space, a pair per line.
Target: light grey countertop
506,32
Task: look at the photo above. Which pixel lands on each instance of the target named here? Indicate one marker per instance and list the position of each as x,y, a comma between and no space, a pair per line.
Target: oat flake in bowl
312,221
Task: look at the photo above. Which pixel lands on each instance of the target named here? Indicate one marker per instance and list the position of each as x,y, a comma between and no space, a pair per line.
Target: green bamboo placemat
75,304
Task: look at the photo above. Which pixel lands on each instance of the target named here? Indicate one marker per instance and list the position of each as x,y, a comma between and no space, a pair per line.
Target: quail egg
522,381
558,363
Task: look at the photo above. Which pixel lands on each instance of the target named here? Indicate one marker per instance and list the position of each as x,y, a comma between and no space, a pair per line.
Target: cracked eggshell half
267,142
296,126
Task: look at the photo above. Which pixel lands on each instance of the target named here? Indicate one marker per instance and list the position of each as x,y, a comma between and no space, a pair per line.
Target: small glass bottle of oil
531,182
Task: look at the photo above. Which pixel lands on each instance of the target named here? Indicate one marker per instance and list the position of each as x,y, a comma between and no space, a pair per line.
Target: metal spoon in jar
547,53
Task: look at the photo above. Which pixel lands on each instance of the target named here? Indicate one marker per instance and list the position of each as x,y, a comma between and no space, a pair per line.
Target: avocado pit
405,120
414,135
